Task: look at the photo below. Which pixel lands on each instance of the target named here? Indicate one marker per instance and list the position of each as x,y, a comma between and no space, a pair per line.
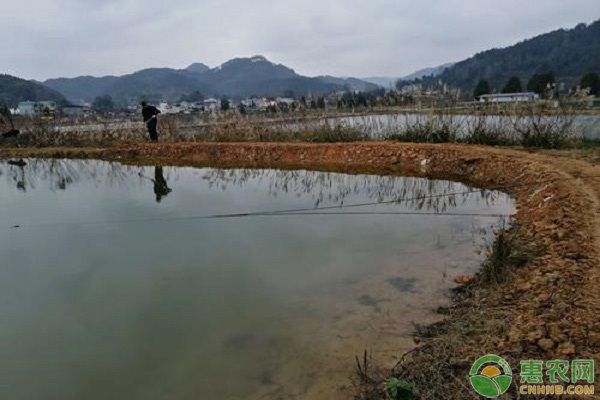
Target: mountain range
237,78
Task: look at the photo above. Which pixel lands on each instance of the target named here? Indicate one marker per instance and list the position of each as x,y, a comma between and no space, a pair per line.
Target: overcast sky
51,38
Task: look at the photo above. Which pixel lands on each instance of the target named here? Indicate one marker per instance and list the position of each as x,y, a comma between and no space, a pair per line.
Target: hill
237,78
381,81
568,53
257,76
197,68
351,83
433,71
388,82
156,84
14,90
82,87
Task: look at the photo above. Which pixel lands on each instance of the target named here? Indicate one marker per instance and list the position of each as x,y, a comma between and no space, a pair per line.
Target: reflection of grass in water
336,187
126,174
321,187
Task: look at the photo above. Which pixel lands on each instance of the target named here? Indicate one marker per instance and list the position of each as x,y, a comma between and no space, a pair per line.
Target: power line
295,211
428,213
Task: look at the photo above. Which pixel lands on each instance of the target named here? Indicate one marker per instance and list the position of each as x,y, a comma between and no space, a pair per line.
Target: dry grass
527,126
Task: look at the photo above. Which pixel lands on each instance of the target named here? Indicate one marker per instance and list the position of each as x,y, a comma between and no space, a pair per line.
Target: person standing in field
149,113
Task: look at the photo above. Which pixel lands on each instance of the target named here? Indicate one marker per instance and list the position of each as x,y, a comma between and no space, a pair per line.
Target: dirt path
547,308
590,187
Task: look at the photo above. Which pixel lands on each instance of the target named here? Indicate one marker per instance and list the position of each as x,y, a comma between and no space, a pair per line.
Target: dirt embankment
546,309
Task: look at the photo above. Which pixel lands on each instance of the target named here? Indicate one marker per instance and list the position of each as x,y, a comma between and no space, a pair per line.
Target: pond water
115,286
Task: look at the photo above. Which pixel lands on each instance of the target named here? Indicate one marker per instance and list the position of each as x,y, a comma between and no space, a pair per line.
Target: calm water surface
109,291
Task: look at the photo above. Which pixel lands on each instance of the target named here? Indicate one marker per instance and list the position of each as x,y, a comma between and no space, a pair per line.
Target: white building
285,100
508,97
256,103
73,110
211,105
31,108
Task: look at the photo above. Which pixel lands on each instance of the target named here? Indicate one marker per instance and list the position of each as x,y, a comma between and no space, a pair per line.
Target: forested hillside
14,90
569,54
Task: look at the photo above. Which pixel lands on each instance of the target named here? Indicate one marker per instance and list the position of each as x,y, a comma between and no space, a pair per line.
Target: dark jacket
148,112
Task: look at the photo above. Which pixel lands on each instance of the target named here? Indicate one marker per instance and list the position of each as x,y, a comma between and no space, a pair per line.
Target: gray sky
51,38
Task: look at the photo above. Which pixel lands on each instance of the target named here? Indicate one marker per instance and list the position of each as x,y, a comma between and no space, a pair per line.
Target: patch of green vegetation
399,389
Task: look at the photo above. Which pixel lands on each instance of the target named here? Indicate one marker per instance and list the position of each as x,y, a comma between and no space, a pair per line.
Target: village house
211,104
256,103
31,108
508,97
73,110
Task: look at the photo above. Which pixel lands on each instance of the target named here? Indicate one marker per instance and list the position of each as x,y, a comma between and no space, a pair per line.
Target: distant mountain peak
245,60
197,67
259,58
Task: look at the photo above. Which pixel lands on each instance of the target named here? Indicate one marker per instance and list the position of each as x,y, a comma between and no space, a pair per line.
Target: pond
133,282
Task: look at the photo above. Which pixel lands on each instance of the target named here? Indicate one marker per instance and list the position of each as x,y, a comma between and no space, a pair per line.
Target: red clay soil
548,309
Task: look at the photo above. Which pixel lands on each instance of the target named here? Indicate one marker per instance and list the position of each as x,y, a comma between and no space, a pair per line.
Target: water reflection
248,308
161,189
322,188
17,174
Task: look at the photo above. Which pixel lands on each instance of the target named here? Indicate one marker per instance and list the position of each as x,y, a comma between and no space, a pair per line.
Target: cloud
44,39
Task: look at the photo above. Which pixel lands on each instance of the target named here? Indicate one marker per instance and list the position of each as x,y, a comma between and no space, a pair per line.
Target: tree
591,81
321,102
6,121
103,104
193,97
513,85
361,99
539,83
483,87
400,84
225,104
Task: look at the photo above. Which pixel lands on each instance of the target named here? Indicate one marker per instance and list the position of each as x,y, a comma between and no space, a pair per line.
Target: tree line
544,84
